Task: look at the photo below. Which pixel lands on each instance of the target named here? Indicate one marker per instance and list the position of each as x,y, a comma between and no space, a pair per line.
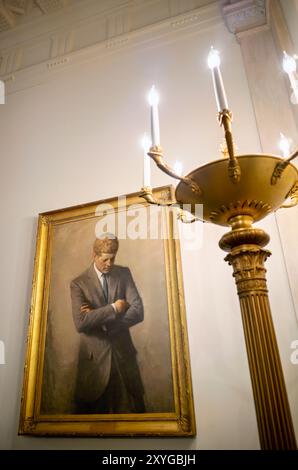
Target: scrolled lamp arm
185,218
147,194
156,154
277,174
281,166
291,157
225,120
293,195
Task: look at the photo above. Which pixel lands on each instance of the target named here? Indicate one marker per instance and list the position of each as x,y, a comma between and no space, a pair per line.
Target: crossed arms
128,311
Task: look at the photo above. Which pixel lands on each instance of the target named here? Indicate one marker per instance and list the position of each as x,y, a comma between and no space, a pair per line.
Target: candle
153,101
146,144
284,146
219,90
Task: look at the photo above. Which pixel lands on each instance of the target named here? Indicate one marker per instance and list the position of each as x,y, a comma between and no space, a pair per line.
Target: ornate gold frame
178,423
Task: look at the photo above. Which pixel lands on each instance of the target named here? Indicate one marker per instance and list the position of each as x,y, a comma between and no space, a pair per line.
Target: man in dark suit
105,305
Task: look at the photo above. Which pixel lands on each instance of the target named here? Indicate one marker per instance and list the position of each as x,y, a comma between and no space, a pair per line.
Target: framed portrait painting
107,349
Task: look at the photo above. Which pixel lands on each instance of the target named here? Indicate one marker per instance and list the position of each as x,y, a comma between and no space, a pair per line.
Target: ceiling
13,11
16,12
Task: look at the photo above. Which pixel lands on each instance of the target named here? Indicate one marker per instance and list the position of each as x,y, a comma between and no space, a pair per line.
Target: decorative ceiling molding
12,11
47,6
33,62
244,15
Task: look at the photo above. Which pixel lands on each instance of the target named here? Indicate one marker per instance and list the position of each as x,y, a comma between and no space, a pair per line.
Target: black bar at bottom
142,458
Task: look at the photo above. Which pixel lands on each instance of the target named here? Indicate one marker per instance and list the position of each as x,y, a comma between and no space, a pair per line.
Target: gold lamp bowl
254,195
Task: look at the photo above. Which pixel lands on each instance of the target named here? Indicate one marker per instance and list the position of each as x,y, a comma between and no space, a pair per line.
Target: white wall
74,139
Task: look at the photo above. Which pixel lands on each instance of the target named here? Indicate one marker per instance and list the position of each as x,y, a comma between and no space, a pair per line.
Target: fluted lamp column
247,257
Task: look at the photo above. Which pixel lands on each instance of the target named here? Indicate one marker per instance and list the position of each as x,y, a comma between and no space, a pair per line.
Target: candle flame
288,63
213,58
153,96
284,145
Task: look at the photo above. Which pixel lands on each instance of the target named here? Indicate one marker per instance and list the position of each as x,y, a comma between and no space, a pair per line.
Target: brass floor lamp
236,192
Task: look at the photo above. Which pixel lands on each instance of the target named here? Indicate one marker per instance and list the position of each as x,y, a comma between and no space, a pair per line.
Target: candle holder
156,154
147,194
225,120
236,192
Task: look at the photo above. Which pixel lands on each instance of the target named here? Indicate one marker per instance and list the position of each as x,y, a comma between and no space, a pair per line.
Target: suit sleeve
135,313
88,322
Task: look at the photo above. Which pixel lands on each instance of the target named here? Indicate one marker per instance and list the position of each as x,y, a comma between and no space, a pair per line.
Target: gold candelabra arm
278,171
293,195
182,215
147,194
291,157
225,120
156,154
280,167
186,218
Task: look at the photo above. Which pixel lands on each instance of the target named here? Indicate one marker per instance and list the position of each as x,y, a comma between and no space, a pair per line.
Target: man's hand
85,308
121,305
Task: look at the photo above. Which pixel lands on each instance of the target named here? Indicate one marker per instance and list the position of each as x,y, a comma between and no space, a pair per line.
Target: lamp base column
247,257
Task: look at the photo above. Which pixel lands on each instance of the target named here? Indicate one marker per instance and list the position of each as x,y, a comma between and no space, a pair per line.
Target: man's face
104,262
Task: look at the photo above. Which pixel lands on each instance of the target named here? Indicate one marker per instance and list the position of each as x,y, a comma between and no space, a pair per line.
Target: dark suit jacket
103,332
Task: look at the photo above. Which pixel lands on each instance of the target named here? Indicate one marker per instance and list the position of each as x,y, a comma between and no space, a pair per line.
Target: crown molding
61,50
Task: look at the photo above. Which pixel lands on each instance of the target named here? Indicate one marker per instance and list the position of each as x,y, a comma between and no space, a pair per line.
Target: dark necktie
105,287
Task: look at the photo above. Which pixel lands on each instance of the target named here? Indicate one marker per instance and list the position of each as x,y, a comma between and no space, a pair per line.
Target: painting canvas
107,353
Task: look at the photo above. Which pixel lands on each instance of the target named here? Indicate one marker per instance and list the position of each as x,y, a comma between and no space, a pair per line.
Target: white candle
219,89
146,144
284,145
153,101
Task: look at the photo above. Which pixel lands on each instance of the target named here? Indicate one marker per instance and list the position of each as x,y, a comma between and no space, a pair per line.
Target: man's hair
106,243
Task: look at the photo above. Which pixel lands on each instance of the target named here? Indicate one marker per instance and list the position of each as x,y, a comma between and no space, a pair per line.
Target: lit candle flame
284,146
289,63
213,58
153,96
